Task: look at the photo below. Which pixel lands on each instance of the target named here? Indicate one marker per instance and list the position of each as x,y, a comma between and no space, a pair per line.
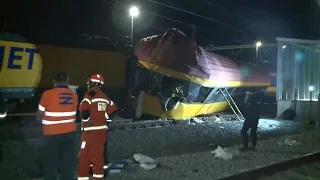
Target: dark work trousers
58,151
253,126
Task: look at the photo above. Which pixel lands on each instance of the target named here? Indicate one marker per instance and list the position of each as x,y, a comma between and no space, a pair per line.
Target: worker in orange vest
94,109
57,113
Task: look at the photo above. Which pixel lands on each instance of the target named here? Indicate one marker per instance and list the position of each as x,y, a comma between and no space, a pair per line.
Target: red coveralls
94,133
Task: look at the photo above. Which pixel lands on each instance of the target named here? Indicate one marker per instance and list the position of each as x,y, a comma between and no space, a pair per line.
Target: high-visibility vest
99,106
59,107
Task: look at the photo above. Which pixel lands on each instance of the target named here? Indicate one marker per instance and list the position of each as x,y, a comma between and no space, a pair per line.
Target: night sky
216,22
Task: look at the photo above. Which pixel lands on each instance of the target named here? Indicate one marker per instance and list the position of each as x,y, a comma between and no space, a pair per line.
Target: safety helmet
96,79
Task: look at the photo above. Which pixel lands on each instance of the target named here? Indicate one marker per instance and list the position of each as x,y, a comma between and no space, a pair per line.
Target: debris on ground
198,120
117,165
222,154
148,166
145,162
291,142
114,171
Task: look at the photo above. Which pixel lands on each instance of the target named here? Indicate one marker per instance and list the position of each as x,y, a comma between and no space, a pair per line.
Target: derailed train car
176,79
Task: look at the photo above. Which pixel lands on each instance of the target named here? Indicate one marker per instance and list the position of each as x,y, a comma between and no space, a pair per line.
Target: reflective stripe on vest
58,114
93,128
83,178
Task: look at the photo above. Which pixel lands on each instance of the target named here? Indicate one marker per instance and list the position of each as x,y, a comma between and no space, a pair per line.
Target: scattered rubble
290,142
222,153
145,162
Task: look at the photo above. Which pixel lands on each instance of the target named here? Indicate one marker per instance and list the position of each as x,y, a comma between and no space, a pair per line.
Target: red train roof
175,51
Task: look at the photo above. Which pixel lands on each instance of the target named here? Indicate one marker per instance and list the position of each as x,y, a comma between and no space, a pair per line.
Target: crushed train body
181,80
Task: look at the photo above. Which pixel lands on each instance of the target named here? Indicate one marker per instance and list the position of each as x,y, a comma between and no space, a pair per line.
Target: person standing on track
252,115
95,109
57,113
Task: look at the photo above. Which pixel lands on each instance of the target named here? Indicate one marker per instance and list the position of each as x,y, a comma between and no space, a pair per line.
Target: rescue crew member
106,160
57,113
3,114
94,110
251,115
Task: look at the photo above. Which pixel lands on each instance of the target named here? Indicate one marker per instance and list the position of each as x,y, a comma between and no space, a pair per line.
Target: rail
269,170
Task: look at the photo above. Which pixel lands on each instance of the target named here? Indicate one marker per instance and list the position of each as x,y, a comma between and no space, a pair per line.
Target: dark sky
216,22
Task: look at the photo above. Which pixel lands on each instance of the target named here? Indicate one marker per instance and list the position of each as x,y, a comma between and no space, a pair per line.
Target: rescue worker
251,115
106,160
57,113
3,114
94,110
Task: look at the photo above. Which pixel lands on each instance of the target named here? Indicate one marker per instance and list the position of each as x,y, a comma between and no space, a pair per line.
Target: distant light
311,88
134,11
258,44
284,46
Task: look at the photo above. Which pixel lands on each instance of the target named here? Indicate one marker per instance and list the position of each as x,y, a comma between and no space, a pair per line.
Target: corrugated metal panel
300,63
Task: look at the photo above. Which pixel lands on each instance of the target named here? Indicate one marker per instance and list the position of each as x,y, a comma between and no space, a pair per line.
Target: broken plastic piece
117,165
143,159
148,166
290,142
115,171
222,154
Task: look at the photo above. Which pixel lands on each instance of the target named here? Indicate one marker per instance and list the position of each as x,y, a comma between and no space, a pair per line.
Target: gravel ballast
20,157
205,166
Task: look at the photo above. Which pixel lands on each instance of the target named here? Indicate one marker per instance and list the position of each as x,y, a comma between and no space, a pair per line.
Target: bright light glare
284,46
134,11
258,44
311,88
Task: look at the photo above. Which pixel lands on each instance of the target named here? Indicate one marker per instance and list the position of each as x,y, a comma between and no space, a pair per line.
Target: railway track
302,168
127,124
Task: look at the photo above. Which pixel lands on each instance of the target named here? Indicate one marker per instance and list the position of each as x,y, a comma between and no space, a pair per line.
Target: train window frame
221,98
205,95
214,97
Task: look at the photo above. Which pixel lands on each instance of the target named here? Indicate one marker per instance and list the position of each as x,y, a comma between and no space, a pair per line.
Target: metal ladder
231,103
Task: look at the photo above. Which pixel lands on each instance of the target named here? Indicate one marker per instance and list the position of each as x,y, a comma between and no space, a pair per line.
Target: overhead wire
188,12
163,16
213,4
221,8
198,15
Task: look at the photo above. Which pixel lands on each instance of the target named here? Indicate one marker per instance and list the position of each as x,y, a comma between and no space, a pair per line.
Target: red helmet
97,78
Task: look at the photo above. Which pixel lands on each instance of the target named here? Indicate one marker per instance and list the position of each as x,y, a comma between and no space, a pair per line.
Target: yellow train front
176,79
